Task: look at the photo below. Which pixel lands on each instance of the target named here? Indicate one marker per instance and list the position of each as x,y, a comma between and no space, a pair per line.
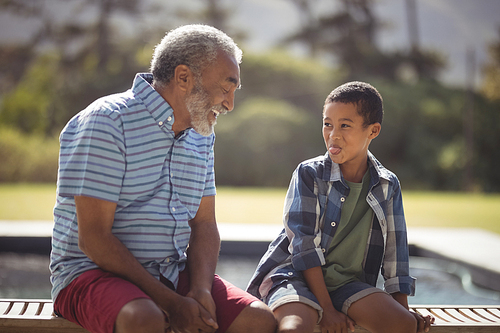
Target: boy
344,222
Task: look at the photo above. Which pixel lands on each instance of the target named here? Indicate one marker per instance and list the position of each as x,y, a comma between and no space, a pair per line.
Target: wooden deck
23,315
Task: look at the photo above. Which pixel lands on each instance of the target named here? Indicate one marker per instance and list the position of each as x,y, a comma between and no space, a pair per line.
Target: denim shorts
296,290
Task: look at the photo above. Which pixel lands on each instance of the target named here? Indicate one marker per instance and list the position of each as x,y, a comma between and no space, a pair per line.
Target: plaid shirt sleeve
302,213
395,265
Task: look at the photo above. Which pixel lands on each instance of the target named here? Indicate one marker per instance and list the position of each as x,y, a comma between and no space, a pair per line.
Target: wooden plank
495,312
36,316
469,313
486,315
47,309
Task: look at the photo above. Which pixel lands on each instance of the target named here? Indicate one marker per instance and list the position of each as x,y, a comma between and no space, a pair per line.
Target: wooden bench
30,315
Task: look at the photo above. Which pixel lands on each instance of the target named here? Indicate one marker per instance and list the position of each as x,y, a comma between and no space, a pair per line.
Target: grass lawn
265,205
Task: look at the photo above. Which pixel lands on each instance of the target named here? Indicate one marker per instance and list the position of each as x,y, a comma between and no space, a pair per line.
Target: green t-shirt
344,258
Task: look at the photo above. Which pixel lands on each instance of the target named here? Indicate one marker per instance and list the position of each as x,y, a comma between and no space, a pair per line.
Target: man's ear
375,130
184,78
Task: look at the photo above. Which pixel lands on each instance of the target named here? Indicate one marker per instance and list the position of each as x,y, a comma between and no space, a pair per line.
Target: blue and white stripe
122,149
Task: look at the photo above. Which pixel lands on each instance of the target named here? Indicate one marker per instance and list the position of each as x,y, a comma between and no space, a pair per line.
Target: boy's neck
354,173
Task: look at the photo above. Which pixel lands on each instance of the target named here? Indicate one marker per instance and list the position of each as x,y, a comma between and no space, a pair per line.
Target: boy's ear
375,130
184,78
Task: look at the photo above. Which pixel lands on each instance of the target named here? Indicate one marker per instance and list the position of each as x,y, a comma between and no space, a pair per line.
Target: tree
349,35
491,83
87,59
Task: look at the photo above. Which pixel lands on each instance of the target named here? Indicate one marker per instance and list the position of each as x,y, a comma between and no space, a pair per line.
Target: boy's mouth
334,150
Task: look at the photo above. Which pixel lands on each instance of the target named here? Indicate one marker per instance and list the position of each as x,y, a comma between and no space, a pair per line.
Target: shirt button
169,118
290,273
323,250
333,224
171,175
342,199
173,209
160,123
168,259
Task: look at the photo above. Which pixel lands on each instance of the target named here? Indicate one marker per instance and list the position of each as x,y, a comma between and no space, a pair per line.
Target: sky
450,27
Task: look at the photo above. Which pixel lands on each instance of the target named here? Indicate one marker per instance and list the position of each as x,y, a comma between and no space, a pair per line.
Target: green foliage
263,140
491,84
27,158
27,107
278,75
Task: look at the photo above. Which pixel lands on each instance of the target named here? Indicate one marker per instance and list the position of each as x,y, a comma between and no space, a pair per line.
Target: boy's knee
256,317
140,315
404,324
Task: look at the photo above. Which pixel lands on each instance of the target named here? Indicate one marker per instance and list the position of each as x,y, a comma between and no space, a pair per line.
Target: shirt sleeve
210,189
395,266
301,218
92,156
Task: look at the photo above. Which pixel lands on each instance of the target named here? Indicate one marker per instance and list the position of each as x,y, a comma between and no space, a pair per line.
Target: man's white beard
199,107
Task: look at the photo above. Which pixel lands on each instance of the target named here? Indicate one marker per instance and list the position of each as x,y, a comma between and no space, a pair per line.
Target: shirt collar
160,110
332,170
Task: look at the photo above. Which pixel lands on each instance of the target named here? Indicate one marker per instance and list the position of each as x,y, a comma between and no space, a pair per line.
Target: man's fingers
207,319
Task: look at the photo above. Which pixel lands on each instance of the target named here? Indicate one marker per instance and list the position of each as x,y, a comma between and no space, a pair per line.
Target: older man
135,241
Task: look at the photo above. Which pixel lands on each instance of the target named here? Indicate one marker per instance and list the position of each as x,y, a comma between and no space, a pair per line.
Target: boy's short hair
364,96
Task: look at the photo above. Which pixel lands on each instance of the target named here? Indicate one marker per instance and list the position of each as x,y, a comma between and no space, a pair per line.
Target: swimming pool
438,282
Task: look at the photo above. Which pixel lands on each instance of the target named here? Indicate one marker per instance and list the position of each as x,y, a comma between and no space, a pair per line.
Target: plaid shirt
311,214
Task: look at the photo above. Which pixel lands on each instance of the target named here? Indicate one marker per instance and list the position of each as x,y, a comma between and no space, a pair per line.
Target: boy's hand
335,322
423,323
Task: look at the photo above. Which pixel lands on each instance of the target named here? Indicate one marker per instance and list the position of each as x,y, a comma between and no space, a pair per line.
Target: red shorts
94,299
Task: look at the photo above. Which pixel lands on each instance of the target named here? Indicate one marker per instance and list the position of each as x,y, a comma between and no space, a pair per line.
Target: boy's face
346,138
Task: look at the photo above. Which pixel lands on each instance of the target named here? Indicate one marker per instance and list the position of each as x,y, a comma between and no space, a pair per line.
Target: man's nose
228,102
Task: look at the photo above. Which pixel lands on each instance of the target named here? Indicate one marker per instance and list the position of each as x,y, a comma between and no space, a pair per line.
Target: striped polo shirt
122,149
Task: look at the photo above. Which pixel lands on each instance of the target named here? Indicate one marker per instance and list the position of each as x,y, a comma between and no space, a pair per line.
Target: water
27,276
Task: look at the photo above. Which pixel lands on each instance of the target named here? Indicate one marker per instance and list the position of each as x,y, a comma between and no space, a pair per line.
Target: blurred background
435,62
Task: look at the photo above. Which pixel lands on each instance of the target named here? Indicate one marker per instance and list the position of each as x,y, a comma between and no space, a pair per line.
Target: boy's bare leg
256,317
380,313
296,317
140,315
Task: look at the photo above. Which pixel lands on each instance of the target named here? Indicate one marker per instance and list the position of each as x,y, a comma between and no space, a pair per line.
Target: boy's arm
302,221
423,323
332,319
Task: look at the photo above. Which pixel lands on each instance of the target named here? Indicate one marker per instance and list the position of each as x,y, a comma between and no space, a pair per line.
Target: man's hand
204,297
186,315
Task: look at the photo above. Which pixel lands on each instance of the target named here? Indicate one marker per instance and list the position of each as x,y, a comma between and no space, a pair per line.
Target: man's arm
95,239
203,252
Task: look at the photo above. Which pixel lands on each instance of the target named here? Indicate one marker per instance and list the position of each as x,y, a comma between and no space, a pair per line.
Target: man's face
213,94
203,112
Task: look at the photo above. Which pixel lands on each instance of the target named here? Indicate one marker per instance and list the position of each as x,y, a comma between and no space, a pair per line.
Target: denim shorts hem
359,295
297,299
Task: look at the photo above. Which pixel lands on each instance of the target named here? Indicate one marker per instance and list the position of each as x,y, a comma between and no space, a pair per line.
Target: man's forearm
203,253
111,255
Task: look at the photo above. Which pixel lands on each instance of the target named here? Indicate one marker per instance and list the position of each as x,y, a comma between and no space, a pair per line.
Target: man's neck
182,119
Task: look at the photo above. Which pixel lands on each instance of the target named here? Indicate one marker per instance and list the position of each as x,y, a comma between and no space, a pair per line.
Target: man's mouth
218,111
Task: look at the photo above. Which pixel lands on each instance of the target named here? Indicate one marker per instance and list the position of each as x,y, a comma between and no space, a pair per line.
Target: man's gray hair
195,46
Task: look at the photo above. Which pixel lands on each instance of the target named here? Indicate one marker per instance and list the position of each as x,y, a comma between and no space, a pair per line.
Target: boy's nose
334,134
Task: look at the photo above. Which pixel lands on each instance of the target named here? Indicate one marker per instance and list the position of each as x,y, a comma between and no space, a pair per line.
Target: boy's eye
327,124
344,126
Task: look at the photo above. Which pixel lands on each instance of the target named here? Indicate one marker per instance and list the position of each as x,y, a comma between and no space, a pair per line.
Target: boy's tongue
334,150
